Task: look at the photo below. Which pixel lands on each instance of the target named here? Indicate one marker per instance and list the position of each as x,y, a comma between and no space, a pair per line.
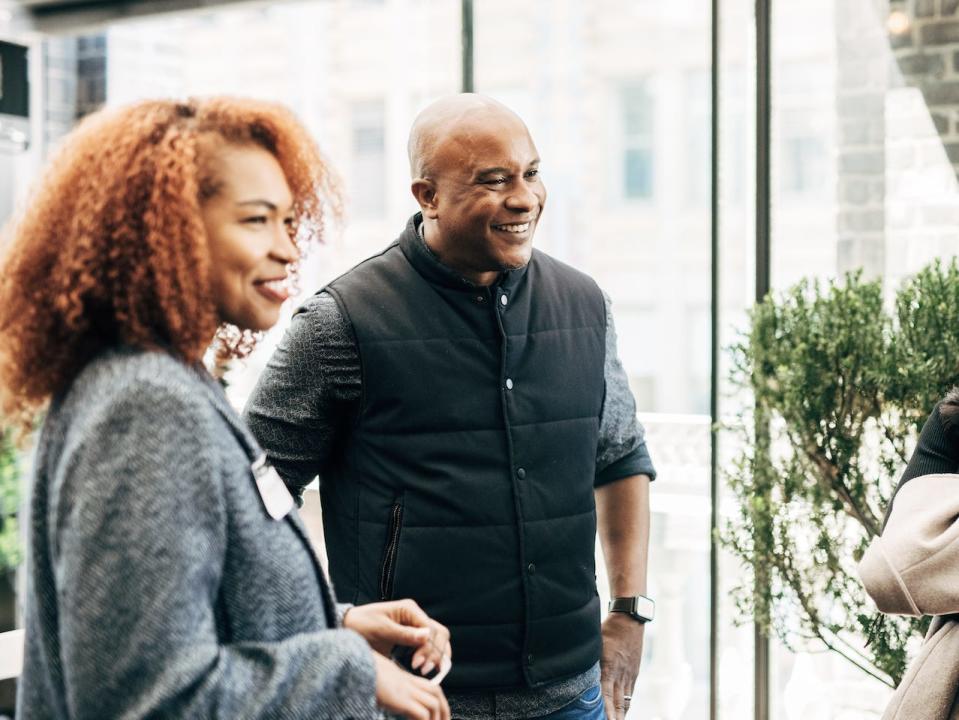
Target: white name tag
276,498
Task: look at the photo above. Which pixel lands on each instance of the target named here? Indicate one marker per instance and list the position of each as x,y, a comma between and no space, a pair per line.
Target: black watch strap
638,607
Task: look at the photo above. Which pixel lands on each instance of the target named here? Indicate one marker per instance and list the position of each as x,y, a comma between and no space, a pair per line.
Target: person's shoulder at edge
158,385
129,418
318,326
556,264
320,305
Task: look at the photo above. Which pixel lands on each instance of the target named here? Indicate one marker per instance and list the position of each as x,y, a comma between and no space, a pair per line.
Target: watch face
645,607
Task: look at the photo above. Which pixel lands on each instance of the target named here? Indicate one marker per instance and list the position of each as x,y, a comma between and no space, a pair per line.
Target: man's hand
622,515
619,663
401,622
400,693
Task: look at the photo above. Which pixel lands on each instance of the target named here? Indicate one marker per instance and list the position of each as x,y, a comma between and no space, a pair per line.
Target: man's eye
532,173
495,181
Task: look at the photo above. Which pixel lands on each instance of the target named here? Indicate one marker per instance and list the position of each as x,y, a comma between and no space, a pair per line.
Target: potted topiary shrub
839,388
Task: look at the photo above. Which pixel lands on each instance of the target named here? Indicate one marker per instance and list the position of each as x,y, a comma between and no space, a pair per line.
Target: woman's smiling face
248,222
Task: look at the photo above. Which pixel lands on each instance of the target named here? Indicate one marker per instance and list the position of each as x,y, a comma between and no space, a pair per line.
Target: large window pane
736,269
637,139
864,177
616,96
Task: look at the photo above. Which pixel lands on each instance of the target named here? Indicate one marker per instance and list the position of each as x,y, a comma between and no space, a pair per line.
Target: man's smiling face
488,195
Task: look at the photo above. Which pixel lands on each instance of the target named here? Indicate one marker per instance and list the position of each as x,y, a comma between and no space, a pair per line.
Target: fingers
409,613
407,695
433,700
406,635
401,622
614,699
620,703
445,712
430,653
606,687
432,637
608,704
426,701
412,614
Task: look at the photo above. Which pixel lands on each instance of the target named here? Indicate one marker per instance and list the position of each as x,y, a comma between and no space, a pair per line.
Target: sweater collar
429,266
217,397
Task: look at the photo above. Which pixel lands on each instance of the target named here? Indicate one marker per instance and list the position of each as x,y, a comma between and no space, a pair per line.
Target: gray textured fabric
157,584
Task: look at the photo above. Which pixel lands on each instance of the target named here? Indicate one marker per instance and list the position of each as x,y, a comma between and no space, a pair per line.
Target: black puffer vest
467,480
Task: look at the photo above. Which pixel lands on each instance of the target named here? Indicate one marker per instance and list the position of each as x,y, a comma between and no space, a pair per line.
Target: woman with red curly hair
168,572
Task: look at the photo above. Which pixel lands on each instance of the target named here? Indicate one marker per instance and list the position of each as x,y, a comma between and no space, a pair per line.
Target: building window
735,153
803,169
697,128
91,74
803,125
636,113
368,193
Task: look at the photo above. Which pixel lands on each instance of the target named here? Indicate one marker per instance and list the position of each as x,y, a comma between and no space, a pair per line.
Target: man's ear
425,193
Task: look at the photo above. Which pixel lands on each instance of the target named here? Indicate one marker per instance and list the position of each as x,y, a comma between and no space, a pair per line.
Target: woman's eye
255,220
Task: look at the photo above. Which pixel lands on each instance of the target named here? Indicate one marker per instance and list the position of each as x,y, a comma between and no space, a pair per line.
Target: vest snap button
480,298
509,383
529,659
521,473
531,568
503,300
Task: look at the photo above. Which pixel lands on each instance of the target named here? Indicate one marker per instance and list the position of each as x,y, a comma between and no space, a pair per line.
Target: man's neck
480,279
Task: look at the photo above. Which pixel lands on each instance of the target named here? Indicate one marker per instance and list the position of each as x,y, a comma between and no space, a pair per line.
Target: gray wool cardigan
157,584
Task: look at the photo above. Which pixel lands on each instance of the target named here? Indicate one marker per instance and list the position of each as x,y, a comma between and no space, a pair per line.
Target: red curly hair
112,249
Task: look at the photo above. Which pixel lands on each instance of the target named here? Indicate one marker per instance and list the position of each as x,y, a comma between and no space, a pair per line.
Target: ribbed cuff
636,462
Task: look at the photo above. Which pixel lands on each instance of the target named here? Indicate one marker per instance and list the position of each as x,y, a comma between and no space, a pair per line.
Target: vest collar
429,266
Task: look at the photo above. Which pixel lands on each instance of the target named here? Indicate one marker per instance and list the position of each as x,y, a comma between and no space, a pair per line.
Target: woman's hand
401,622
401,693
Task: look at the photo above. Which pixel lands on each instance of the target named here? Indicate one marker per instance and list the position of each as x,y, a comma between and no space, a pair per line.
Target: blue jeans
587,706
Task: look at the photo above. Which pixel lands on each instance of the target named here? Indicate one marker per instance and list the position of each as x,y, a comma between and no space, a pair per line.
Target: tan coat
913,569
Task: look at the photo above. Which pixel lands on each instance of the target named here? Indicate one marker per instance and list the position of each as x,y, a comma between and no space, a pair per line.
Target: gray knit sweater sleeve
622,448
308,393
140,526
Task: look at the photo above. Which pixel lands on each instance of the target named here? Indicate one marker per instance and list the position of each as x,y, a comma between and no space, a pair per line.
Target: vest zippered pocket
388,566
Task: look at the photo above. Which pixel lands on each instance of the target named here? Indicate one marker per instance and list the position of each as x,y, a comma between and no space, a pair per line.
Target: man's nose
523,198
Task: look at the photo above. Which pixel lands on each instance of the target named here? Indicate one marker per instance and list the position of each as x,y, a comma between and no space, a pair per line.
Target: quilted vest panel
467,480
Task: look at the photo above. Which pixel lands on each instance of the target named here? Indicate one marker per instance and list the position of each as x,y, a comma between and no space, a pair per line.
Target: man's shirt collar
416,250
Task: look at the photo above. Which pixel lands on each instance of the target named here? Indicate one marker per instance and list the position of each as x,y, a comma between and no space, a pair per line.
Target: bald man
460,397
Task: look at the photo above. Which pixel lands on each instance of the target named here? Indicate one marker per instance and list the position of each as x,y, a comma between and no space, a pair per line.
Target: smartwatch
639,607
